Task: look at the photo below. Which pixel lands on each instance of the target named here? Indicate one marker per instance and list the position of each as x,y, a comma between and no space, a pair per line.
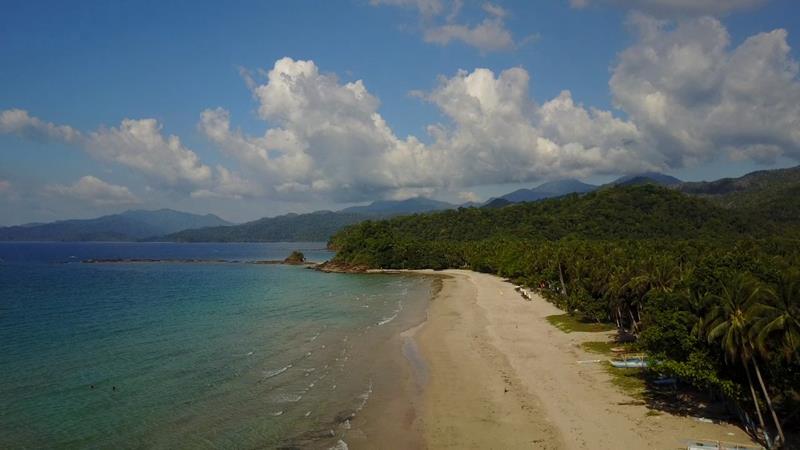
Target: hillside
775,193
316,226
560,188
635,212
127,226
646,178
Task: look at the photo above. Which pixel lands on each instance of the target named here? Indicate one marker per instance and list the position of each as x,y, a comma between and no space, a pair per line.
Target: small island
295,258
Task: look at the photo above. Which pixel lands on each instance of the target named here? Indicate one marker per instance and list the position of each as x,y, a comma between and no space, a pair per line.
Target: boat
707,444
634,362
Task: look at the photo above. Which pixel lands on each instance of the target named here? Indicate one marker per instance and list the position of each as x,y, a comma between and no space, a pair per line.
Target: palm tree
780,317
731,322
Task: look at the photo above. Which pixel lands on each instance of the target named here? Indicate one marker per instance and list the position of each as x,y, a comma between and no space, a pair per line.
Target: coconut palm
731,321
779,321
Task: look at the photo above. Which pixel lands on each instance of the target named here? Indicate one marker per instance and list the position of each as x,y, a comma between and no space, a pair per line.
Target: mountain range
130,225
316,226
560,188
774,191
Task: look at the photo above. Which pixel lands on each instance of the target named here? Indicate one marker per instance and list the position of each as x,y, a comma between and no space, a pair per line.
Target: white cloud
489,35
17,121
438,23
139,145
427,8
500,135
468,196
229,185
495,10
677,7
94,191
329,140
696,98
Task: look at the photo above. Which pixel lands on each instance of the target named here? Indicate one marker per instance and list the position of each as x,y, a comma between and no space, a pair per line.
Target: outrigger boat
707,444
635,362
627,362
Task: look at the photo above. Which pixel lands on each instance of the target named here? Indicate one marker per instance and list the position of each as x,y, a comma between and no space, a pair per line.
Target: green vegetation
630,381
297,257
570,322
601,347
711,293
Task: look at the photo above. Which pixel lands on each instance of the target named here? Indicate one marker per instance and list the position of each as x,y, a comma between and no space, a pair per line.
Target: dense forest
710,291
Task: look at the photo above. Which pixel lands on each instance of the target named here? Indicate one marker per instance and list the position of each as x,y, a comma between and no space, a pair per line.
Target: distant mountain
393,207
126,226
172,221
497,203
546,190
316,226
646,178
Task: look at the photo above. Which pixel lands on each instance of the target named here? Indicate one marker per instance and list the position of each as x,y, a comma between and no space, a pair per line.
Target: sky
248,109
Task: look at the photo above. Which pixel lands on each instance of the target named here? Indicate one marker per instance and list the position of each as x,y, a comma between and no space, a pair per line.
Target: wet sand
498,375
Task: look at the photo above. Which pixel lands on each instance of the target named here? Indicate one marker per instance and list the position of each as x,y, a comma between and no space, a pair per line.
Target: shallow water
167,355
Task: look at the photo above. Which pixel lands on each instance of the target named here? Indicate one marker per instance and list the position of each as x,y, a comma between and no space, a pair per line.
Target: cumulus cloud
328,138
140,145
17,121
94,191
696,98
677,7
439,24
231,185
500,135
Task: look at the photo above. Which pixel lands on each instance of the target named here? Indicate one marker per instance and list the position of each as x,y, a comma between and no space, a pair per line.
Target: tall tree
731,321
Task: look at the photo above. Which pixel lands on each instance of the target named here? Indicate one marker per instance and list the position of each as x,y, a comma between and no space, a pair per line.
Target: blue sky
72,73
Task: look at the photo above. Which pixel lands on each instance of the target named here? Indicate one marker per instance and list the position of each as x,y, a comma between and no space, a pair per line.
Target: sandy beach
498,375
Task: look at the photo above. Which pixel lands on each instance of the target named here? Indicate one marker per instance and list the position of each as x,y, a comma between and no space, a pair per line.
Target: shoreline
498,375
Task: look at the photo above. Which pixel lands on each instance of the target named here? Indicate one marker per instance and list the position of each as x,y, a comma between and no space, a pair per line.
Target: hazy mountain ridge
315,226
559,188
548,190
130,225
408,206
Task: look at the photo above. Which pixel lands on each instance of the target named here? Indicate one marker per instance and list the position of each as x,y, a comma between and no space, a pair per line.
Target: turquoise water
166,355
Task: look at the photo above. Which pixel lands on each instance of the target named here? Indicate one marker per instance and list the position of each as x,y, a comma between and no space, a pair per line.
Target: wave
286,398
365,397
397,311
276,372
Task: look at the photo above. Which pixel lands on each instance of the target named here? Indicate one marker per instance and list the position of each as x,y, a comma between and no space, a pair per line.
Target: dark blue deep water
184,355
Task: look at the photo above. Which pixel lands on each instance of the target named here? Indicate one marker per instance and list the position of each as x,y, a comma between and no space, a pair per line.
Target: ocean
189,354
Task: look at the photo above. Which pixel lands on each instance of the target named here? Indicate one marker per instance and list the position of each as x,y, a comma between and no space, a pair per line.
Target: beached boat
634,362
703,444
